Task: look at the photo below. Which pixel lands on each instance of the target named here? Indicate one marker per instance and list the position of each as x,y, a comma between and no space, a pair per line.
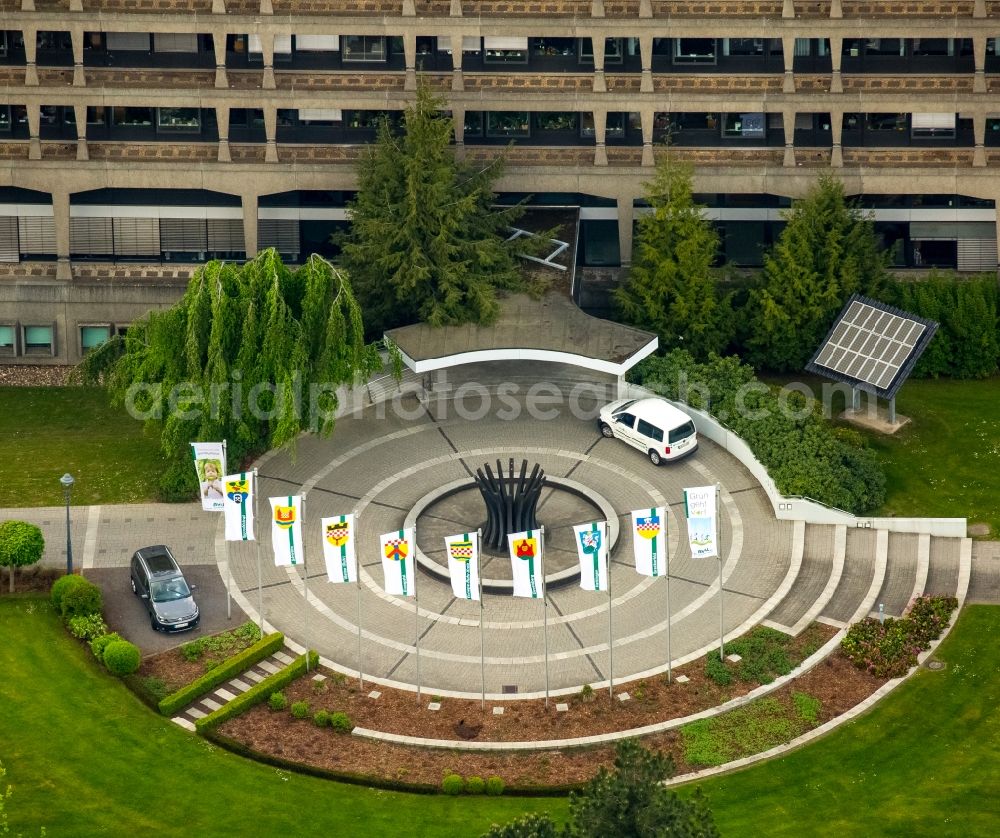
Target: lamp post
67,484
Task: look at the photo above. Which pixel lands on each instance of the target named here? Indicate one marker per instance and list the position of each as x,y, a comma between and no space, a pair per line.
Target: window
320,116
3,44
38,340
554,47
884,121
128,41
612,51
5,118
743,125
743,46
365,48
95,115
473,123
54,41
178,120
681,432
505,50
626,419
508,124
132,117
933,46
93,336
886,46
555,121
694,51
175,42
650,431
931,125
7,346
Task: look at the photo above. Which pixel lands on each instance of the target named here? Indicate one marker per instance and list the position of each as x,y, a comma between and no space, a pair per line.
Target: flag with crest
463,564
338,548
398,560
238,506
286,530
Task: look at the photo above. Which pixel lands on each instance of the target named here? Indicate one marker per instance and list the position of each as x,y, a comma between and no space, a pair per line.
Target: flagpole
611,648
718,549
416,612
305,568
666,561
229,558
357,584
482,634
545,608
260,581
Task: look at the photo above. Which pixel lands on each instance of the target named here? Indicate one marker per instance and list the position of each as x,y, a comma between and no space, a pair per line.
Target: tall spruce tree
252,354
671,287
827,251
426,243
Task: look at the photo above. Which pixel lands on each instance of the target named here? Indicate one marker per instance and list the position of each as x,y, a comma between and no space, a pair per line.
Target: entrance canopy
548,329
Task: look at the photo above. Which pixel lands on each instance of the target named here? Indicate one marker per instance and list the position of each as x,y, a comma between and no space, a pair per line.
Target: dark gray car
160,584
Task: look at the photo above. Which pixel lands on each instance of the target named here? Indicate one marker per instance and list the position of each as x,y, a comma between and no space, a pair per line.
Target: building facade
141,137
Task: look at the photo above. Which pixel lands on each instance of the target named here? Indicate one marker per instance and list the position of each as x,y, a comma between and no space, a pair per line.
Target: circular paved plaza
382,461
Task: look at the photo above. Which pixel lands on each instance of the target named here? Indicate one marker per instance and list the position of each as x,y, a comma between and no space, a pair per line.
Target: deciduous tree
21,545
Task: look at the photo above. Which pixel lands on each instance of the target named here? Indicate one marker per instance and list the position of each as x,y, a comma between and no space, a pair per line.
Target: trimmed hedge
229,668
82,599
258,693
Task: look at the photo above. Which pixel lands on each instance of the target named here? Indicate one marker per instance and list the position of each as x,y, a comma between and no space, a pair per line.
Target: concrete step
901,572
814,572
856,580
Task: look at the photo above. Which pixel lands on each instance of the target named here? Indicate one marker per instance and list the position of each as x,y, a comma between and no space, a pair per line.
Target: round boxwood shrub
122,658
453,784
277,701
341,722
99,644
321,718
475,785
300,709
81,600
495,786
62,586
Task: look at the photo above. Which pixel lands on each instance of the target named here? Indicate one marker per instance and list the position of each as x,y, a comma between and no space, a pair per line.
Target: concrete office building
141,137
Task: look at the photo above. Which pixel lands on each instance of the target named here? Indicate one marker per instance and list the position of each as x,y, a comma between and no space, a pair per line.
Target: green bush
807,706
225,644
495,786
99,644
341,722
717,670
300,709
453,784
156,687
81,600
178,483
62,586
122,658
229,668
21,545
277,701
802,452
258,693
475,785
87,626
321,718
765,655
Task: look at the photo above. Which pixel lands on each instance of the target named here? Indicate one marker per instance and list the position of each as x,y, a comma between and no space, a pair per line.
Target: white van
651,425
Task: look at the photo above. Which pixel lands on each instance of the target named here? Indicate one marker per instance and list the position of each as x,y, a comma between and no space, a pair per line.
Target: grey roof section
552,324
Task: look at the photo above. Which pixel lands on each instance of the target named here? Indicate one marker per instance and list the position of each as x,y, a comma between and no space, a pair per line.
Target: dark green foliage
87,626
81,600
495,786
426,243
827,251
671,287
300,709
222,645
156,687
99,644
967,343
277,701
475,785
452,784
802,453
527,826
765,655
341,722
62,586
717,669
122,658
252,354
321,718
222,670
21,544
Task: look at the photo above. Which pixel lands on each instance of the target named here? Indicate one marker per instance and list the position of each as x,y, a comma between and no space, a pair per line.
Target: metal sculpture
510,501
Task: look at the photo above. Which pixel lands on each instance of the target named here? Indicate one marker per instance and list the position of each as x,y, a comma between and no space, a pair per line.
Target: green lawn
925,761
48,431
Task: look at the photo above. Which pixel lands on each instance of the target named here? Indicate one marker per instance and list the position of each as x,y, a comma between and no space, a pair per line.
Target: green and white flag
463,564
338,548
210,465
649,540
397,561
592,549
702,521
526,564
238,506
286,530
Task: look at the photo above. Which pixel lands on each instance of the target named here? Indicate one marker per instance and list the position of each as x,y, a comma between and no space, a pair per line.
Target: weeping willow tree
253,354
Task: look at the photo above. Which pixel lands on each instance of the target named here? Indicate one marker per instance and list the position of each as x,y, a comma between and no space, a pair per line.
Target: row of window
331,51
26,339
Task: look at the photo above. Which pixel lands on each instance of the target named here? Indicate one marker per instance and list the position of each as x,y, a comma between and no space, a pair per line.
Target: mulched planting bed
176,671
33,375
835,682
34,579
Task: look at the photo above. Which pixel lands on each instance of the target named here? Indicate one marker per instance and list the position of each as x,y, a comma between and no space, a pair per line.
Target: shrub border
258,693
229,668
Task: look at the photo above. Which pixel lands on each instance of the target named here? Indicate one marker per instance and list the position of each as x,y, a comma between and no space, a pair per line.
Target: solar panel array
870,345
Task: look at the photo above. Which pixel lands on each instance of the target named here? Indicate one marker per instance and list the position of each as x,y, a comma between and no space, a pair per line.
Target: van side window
682,432
626,419
651,431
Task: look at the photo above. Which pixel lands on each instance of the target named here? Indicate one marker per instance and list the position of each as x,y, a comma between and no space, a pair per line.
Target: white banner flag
592,549
526,563
463,564
649,540
286,530
397,561
238,506
338,548
701,514
210,465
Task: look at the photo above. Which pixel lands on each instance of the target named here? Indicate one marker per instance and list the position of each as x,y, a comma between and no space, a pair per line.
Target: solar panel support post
892,411
855,398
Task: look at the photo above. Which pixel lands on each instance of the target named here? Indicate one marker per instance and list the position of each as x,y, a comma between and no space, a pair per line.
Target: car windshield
170,590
